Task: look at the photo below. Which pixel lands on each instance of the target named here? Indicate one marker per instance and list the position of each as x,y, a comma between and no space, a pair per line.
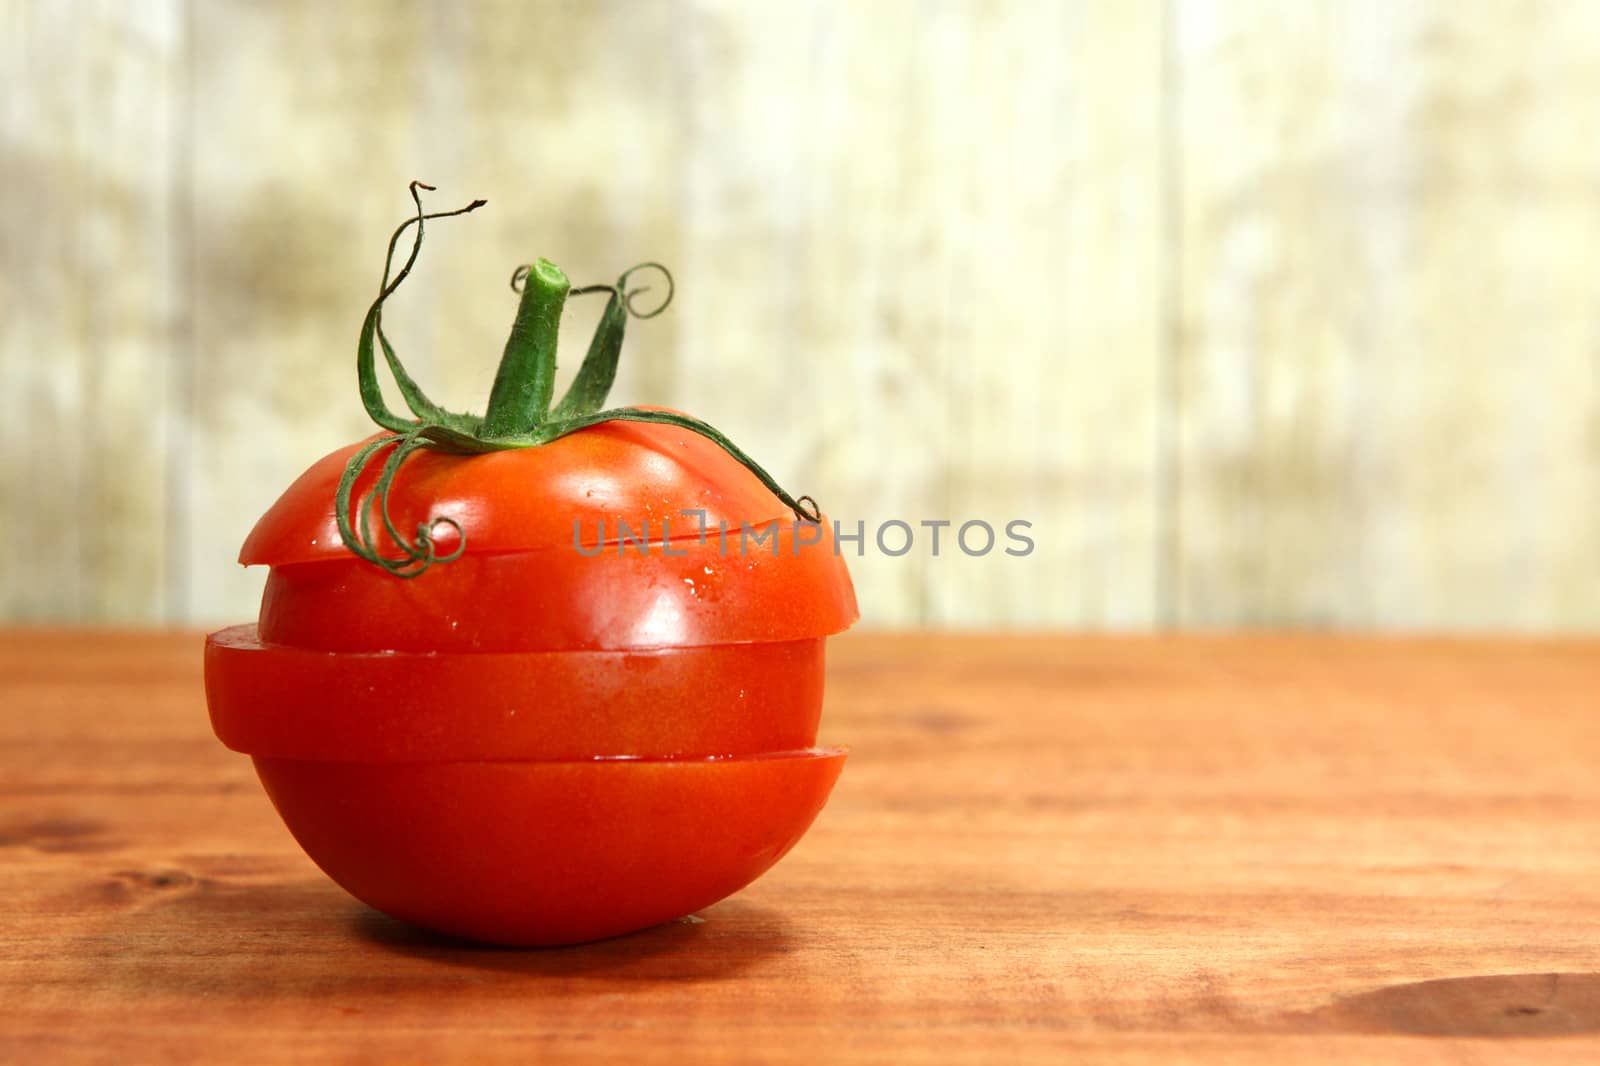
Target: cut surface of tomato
552,852
273,700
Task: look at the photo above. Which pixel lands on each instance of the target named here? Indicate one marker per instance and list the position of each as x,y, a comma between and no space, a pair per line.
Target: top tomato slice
642,474
623,535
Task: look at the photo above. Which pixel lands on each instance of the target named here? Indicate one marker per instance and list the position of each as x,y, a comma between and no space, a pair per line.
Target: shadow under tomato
240,935
721,940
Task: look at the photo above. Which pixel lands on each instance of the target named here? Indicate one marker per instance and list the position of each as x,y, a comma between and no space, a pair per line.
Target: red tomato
446,746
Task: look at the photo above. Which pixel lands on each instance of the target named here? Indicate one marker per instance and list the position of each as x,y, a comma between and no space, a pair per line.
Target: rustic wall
1261,313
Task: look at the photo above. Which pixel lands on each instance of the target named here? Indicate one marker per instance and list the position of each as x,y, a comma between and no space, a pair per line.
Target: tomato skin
528,498
739,699
549,853
561,600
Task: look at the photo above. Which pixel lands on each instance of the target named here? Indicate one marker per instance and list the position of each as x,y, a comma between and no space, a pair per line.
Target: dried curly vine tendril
519,414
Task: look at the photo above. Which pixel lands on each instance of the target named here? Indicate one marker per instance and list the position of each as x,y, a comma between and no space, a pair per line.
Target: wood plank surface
1235,849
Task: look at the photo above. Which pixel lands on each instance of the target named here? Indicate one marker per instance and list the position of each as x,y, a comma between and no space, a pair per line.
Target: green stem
520,398
354,515
519,413
599,367
588,391
372,329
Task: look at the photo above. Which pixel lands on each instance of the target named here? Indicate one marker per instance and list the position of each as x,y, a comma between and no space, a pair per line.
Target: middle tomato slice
279,701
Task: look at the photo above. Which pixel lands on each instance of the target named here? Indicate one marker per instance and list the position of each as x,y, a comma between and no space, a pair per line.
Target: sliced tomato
554,852
670,595
287,702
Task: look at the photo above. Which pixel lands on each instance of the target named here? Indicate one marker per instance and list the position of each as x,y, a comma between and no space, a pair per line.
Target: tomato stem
366,360
519,413
523,385
589,389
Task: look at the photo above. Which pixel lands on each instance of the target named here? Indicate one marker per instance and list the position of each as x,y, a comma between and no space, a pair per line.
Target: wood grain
1245,849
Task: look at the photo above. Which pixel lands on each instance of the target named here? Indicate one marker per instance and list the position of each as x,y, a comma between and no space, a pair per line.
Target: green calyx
520,413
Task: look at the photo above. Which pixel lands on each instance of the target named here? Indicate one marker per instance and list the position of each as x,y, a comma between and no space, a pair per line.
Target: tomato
377,707
549,852
543,675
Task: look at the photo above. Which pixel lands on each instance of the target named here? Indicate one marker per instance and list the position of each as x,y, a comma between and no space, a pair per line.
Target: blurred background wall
1261,313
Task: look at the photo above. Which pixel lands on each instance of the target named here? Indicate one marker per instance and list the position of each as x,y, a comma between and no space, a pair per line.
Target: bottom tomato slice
549,853
731,699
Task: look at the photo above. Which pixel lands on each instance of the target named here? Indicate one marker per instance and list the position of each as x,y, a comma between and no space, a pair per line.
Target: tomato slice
560,600
287,702
554,852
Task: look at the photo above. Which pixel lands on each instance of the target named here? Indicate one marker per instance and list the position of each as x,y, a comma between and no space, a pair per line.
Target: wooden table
1244,849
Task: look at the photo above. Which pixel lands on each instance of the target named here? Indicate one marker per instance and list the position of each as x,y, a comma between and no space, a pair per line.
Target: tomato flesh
274,700
549,853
